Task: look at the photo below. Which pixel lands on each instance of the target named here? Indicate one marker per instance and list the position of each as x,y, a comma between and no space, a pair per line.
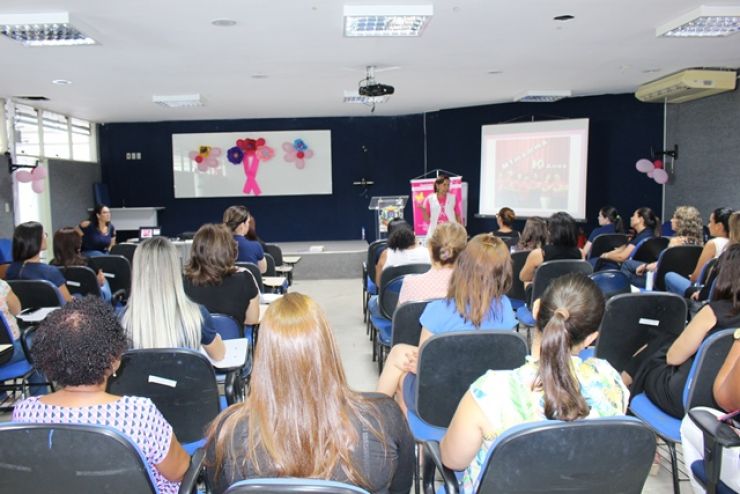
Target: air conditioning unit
687,85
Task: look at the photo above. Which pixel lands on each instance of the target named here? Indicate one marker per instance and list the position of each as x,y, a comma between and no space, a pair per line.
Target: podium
387,208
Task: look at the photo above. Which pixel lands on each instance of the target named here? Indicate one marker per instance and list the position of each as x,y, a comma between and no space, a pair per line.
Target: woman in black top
213,280
302,420
505,221
562,243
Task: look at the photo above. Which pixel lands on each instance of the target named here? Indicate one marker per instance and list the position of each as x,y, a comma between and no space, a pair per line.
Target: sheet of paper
37,315
236,354
268,298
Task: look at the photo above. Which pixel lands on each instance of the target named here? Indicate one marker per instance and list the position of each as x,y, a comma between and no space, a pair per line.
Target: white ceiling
160,47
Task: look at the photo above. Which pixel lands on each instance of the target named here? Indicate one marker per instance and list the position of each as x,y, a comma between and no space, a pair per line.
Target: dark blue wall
390,151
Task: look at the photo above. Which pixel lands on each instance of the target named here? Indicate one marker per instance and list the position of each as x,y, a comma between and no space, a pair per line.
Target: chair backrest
276,253
180,382
373,253
707,271
551,270
289,485
681,259
708,277
554,456
450,362
6,338
270,271
611,282
255,270
631,319
227,326
71,458
36,293
405,325
116,269
605,243
125,249
391,280
516,292
707,362
81,280
6,250
649,249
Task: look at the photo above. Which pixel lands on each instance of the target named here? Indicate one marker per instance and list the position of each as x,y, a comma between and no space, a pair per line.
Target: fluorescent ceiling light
703,22
542,96
178,100
386,20
43,30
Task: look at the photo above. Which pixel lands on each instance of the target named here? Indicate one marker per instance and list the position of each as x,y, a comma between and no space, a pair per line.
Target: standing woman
98,233
238,219
441,207
609,222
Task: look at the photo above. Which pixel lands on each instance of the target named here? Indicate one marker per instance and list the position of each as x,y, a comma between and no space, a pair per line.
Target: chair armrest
119,295
190,480
433,462
26,335
230,386
720,432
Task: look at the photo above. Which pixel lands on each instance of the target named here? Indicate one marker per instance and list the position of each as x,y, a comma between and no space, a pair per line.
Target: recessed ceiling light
178,100
386,20
651,70
43,30
542,96
495,72
563,18
61,82
260,76
223,22
703,22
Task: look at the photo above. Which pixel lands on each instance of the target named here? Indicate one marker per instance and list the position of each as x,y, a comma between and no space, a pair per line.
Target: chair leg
674,467
417,462
381,358
375,345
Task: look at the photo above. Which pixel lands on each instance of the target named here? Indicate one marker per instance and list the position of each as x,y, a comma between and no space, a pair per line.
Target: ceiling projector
374,90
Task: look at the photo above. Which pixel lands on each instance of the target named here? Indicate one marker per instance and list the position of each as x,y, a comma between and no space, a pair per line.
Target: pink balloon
290,157
300,164
308,153
215,152
202,166
660,176
38,173
212,162
644,165
38,186
288,147
23,176
651,173
658,163
192,154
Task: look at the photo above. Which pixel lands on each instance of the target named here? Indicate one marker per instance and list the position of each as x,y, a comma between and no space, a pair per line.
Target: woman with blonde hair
445,244
212,278
309,424
158,313
475,300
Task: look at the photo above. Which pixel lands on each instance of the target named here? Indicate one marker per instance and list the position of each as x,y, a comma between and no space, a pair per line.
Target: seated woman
252,232
312,426
562,243
445,244
78,347
237,218
212,278
98,233
645,224
727,395
402,249
67,252
505,221
475,300
554,383
29,240
719,229
662,367
534,235
687,224
609,222
158,313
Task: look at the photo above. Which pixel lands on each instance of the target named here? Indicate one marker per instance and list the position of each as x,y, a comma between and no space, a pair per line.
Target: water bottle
362,233
649,279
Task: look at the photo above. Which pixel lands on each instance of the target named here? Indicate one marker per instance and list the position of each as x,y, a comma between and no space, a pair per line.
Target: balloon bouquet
35,176
654,169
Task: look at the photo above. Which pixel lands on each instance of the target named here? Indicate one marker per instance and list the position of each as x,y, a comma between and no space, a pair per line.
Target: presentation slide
535,168
275,163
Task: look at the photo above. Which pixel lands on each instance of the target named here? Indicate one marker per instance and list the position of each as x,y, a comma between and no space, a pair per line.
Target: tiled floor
342,301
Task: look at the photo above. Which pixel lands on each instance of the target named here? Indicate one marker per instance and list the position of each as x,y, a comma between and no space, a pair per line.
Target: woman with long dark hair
554,384
609,222
310,425
238,220
68,252
646,225
562,243
98,233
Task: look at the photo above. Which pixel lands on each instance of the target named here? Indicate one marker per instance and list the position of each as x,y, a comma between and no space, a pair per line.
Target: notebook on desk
236,354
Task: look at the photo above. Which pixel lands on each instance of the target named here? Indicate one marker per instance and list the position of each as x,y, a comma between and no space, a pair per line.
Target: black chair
717,436
270,271
44,458
605,456
368,273
611,282
81,280
234,381
36,293
649,249
517,294
405,325
117,270
606,242
281,268
706,279
631,319
125,249
289,485
255,270
180,382
680,259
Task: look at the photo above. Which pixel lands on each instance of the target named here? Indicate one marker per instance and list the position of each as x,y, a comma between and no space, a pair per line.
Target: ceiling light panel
386,20
542,96
43,30
178,100
704,22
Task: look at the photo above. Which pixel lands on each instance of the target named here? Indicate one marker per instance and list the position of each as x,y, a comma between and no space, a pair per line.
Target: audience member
252,232
158,313
609,222
445,244
645,224
310,425
212,278
78,347
98,233
534,235
29,240
562,243
237,218
402,250
505,221
553,384
68,252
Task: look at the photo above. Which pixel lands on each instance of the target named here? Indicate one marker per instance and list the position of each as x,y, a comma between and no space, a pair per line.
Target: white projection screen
284,163
535,168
